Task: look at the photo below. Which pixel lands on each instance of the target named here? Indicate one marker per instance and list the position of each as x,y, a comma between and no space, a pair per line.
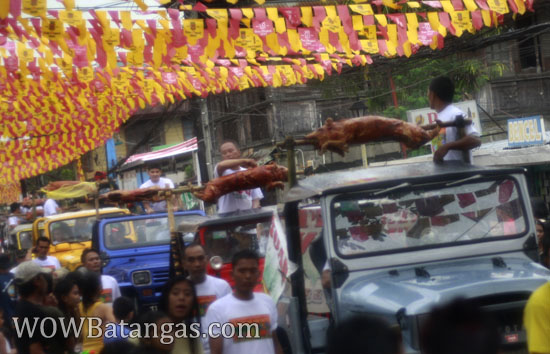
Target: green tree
411,82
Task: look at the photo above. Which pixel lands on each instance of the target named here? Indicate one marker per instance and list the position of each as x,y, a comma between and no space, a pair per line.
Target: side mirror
62,247
216,263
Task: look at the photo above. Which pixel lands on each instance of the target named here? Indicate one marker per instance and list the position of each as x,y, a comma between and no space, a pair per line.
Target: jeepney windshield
25,239
229,239
427,216
140,233
74,230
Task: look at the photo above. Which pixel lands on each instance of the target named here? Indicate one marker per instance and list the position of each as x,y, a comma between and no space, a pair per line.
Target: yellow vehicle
71,233
21,237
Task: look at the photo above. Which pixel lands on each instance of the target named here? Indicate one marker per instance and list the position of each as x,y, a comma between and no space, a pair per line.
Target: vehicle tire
284,341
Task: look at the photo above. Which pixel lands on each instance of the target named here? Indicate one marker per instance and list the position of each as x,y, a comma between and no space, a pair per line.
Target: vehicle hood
418,288
129,265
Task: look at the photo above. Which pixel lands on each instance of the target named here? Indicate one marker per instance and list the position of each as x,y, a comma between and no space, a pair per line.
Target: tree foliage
411,83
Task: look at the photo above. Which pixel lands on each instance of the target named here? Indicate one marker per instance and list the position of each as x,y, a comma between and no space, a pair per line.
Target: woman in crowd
67,294
91,306
179,302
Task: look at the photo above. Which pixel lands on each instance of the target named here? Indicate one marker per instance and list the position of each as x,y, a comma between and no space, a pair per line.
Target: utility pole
205,124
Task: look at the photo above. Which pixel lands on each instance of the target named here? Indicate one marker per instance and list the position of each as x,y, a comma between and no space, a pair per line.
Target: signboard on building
526,131
426,116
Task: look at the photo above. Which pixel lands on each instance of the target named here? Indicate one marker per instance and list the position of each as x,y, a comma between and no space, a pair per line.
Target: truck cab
70,233
226,234
135,250
402,239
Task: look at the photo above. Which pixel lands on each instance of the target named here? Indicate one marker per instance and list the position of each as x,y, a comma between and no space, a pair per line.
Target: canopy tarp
184,148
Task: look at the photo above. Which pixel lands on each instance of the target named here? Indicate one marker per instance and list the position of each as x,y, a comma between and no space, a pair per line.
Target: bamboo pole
176,247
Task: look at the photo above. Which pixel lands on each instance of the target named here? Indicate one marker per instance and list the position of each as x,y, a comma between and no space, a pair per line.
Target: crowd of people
39,291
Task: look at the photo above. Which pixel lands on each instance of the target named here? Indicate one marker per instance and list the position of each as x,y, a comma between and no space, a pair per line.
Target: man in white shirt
155,180
42,258
51,208
440,96
15,213
231,163
244,309
208,288
110,289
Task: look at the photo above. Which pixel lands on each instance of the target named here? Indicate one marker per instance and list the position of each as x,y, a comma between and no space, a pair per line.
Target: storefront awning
138,159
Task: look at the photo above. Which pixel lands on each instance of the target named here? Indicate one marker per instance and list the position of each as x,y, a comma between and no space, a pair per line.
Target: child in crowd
123,309
179,302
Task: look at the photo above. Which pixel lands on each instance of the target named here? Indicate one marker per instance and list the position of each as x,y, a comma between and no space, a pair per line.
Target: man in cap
32,286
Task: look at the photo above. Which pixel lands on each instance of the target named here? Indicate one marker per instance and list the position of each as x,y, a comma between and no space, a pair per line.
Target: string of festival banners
69,78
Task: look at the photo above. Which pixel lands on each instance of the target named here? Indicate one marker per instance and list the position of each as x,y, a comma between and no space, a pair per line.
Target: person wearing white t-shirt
440,96
110,290
51,207
155,180
244,306
42,258
14,219
231,163
208,288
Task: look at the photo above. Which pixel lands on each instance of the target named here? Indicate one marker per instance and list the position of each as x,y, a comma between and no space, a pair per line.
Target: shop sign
526,131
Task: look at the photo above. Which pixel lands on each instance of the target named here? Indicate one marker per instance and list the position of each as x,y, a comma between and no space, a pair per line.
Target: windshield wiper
462,180
391,189
477,222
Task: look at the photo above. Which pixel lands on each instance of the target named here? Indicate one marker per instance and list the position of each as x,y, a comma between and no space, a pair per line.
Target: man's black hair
43,239
443,88
122,306
14,207
86,252
457,328
245,254
154,165
363,335
194,244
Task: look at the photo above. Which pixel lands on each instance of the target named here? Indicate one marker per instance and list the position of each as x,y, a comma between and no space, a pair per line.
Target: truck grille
161,276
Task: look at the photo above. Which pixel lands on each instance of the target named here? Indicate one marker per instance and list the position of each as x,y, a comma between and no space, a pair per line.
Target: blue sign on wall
526,131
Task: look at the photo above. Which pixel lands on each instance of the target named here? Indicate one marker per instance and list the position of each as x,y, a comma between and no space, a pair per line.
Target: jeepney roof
240,215
21,227
85,213
342,181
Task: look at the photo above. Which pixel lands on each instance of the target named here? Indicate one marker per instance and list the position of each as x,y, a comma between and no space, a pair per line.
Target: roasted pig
269,176
337,135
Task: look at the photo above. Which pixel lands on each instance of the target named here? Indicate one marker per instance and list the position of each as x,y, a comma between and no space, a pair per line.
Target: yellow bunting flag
193,29
33,7
365,9
499,6
52,29
72,18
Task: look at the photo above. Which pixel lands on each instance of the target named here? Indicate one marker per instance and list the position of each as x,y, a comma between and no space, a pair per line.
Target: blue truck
134,249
